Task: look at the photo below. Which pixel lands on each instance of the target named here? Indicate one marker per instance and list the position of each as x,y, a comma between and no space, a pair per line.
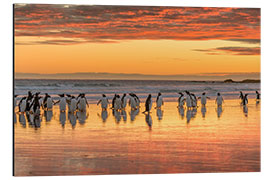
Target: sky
148,40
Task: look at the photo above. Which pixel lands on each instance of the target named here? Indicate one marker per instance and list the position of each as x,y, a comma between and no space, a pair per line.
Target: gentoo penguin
68,98
117,103
82,102
219,100
22,104
188,100
204,99
35,104
104,102
29,100
47,102
124,101
72,105
136,98
181,100
159,101
258,97
148,104
113,101
132,102
193,100
241,96
245,100
62,102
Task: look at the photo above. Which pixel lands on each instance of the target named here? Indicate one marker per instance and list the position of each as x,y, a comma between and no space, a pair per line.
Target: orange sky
145,40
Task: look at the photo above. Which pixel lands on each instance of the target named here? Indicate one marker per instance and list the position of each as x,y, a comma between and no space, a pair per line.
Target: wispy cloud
110,23
232,50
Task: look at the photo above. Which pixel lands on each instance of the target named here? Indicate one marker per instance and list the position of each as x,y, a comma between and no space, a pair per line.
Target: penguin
219,100
82,103
181,100
68,98
241,96
62,102
104,102
204,99
47,102
188,100
148,103
22,105
29,101
193,100
258,96
245,100
73,104
124,101
117,103
35,104
15,101
136,98
113,101
132,102
159,101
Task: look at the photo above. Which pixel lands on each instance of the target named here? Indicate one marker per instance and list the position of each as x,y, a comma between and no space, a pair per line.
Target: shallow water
209,140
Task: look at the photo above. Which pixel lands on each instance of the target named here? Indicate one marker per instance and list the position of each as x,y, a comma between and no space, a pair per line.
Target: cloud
232,50
136,22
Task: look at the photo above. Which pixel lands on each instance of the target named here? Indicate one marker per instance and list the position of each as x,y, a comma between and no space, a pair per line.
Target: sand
209,140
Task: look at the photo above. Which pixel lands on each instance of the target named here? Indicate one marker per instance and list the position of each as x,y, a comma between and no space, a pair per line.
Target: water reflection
72,119
104,115
193,112
62,118
22,119
117,116
37,121
82,116
203,111
124,115
219,111
14,118
245,110
133,114
181,112
188,115
48,115
148,120
159,114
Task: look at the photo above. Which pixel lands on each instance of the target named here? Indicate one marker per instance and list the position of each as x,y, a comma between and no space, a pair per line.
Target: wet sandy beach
178,141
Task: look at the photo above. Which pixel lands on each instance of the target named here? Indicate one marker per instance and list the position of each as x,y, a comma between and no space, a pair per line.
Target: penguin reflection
22,120
245,110
37,121
181,111
124,115
48,115
133,113
203,111
148,120
159,114
189,115
103,115
117,116
62,118
72,119
82,116
219,111
14,118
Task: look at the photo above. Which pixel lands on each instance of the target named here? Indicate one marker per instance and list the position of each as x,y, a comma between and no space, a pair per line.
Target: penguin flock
33,103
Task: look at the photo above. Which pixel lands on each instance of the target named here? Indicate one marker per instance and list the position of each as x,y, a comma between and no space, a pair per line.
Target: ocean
169,89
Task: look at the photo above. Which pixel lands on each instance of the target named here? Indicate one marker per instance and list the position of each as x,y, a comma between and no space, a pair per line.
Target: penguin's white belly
82,104
159,102
104,103
133,103
72,106
49,103
62,104
117,104
188,102
203,100
219,101
124,104
23,106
